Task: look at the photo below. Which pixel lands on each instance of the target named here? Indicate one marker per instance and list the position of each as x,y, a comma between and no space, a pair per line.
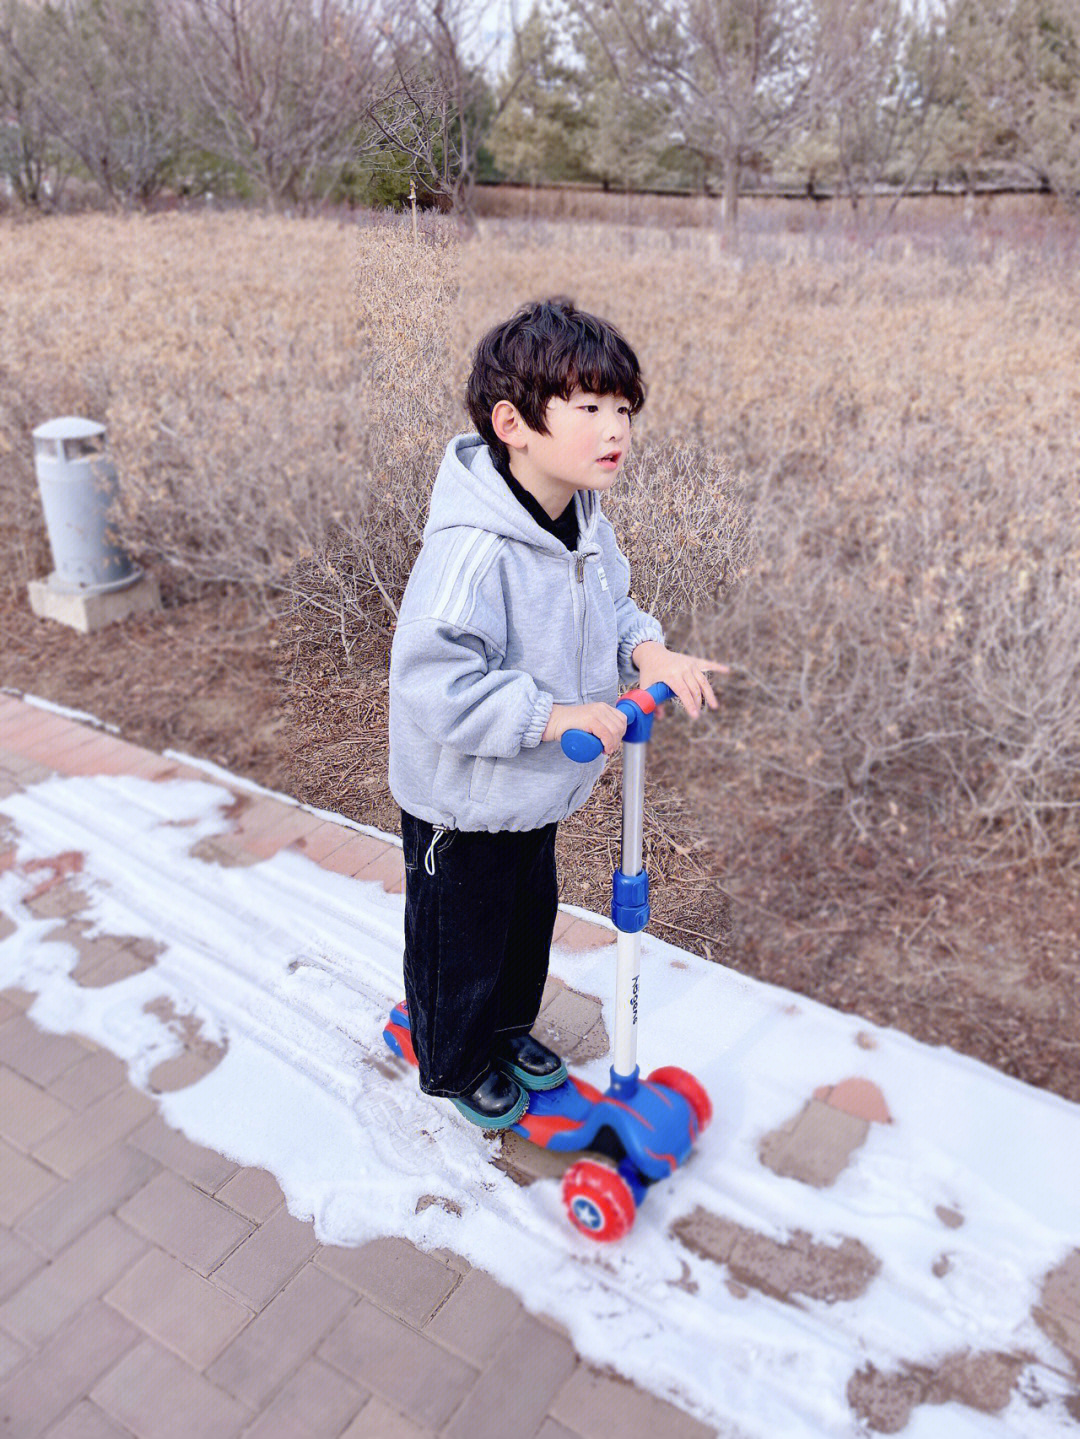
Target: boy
516,625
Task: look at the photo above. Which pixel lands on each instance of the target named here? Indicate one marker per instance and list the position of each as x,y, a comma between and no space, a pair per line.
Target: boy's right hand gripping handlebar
638,706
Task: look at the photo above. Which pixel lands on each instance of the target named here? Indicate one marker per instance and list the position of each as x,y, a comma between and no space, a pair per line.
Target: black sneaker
531,1063
497,1102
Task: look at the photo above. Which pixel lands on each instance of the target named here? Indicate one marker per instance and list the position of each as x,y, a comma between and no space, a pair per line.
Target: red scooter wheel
598,1200
685,1084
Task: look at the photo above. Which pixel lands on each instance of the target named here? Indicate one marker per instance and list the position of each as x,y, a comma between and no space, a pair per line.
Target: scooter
639,1130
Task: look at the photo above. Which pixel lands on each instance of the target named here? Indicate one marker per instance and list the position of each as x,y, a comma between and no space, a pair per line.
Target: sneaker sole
483,1121
534,1081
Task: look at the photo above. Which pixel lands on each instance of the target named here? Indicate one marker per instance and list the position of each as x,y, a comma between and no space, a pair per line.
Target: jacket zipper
581,651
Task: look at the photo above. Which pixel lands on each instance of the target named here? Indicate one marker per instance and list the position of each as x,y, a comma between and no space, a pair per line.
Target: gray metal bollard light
94,582
78,484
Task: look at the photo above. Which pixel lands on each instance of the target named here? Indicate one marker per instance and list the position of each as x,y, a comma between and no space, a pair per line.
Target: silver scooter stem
633,806
628,946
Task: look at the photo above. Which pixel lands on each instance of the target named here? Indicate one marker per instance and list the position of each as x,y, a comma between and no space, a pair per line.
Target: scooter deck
654,1130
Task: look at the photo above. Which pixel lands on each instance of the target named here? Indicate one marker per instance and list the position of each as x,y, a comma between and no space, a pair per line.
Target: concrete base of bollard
90,612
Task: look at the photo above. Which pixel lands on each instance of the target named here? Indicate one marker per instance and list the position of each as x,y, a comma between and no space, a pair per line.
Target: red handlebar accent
643,699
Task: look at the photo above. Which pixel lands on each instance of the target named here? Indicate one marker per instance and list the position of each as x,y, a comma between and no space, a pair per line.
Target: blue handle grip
580,745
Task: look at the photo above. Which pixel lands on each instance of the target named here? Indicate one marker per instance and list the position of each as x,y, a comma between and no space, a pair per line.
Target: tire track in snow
222,960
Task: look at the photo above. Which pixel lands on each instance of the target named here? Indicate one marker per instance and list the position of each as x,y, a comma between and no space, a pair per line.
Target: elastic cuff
631,641
534,732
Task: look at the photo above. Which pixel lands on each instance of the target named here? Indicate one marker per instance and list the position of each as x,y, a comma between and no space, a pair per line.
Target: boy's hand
684,673
604,721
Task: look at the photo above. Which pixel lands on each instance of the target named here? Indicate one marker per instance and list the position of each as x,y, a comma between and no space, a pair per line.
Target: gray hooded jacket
499,622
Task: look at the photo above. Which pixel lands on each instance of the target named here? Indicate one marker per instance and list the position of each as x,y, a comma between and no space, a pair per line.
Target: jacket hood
469,491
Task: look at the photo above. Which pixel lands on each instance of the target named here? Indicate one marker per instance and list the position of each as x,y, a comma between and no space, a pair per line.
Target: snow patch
291,971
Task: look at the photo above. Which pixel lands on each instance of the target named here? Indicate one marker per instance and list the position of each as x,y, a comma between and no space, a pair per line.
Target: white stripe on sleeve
454,594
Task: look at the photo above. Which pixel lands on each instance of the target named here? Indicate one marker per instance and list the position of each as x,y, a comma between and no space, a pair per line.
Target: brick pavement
150,1288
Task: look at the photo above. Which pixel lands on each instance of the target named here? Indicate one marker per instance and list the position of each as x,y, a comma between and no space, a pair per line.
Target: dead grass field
855,482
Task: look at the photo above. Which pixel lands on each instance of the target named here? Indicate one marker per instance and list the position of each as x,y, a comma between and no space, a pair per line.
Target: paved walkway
151,1288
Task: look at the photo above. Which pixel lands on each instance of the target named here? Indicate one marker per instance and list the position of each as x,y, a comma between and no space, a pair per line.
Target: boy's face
585,448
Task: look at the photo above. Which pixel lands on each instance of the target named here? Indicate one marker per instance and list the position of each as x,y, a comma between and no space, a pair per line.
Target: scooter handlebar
582,746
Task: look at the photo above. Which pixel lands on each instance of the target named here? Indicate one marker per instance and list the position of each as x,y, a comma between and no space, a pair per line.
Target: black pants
479,914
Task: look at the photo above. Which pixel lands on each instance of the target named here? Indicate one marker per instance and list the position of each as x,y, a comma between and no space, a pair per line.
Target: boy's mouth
611,458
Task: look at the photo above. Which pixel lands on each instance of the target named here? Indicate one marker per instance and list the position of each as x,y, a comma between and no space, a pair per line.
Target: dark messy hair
548,348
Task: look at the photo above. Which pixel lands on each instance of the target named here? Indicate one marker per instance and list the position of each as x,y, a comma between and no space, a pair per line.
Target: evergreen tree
540,134
631,140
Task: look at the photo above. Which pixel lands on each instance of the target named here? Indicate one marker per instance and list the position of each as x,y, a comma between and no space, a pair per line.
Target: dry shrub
260,442
873,434
279,394
404,301
682,521
893,786
582,202
224,355
911,624
935,215
673,510
36,384
919,650
24,545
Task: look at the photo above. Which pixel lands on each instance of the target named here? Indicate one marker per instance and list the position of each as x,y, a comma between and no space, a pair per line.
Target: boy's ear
508,425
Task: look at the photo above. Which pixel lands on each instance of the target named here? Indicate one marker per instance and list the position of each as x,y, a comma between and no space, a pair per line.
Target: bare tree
438,105
881,85
28,147
285,85
99,78
1020,63
731,73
